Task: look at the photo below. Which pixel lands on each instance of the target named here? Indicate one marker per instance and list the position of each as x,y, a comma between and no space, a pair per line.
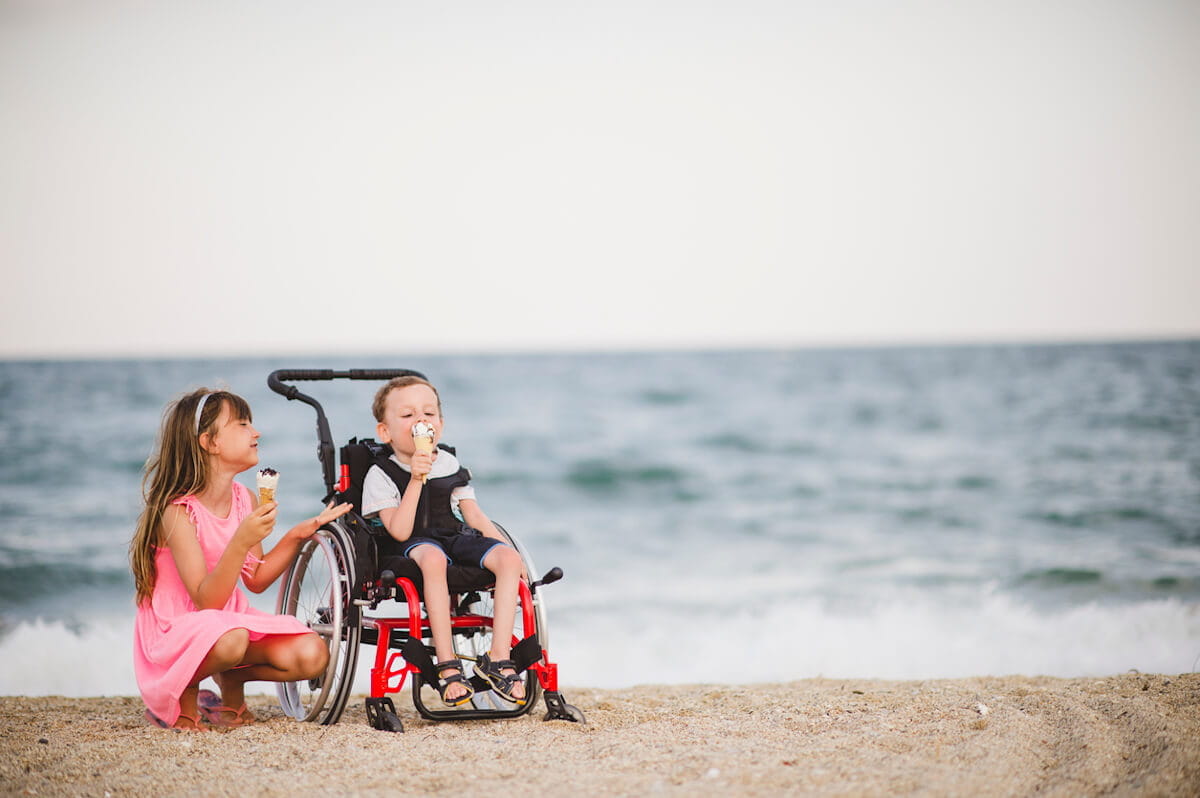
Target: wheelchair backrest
357,457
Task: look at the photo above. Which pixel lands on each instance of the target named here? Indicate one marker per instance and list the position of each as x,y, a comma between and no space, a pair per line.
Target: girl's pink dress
171,637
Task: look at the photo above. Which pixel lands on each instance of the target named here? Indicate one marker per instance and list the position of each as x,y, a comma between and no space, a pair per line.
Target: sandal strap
495,666
448,664
443,686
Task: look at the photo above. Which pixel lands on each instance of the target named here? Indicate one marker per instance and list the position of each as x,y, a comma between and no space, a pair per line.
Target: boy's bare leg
506,564
432,562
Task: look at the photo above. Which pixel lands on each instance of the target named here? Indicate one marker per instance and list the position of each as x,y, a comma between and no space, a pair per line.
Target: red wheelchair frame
336,608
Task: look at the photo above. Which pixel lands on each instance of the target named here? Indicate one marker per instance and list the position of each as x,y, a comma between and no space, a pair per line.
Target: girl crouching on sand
199,532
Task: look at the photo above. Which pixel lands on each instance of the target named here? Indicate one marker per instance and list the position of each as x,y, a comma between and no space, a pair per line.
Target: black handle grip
276,379
379,374
304,374
552,576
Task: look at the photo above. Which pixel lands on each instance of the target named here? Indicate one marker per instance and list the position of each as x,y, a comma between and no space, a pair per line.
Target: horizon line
697,347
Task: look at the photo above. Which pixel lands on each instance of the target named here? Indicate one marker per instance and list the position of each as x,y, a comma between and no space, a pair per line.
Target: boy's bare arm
399,521
475,518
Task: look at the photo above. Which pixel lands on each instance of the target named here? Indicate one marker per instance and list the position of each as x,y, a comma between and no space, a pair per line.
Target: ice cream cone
267,481
422,433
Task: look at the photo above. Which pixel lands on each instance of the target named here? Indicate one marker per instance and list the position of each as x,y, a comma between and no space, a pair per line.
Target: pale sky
238,177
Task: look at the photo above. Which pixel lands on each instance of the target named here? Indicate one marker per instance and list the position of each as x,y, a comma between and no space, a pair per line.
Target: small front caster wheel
558,709
381,714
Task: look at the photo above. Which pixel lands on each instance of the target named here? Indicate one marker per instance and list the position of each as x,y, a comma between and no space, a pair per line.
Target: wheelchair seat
459,578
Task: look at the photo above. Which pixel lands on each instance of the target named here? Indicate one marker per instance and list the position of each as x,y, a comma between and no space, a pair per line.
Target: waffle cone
265,495
423,444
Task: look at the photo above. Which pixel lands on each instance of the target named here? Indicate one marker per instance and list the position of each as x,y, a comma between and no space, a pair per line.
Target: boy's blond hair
379,406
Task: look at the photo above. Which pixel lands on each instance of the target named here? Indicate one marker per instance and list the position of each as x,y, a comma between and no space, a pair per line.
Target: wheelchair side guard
381,714
526,653
415,653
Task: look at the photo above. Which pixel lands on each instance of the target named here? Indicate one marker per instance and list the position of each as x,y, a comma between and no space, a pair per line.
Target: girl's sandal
217,716
211,708
501,683
154,720
444,682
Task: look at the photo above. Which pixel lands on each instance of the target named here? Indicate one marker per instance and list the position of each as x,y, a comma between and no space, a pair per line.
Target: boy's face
403,408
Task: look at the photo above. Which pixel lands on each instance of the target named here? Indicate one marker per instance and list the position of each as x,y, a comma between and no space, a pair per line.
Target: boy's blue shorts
459,548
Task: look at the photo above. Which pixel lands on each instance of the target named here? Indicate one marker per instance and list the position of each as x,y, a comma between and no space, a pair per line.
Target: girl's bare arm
211,589
279,558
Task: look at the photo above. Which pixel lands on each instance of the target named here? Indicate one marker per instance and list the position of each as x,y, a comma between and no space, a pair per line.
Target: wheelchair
349,569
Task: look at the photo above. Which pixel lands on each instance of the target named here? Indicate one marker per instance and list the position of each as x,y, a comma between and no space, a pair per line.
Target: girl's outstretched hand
306,529
331,513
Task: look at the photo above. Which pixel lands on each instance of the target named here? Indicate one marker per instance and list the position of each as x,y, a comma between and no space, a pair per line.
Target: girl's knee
230,648
312,655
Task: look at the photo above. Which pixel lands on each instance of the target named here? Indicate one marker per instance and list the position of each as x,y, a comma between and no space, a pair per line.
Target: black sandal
444,683
502,684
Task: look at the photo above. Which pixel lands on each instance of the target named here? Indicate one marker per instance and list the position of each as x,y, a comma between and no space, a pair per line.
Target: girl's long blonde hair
178,466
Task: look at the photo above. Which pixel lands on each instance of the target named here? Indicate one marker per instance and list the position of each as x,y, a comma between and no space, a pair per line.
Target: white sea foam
898,641
775,643
47,658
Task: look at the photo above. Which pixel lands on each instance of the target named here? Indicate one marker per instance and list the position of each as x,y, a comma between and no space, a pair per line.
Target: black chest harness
434,513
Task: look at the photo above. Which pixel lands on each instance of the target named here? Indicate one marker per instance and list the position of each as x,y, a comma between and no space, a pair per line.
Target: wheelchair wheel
317,590
543,633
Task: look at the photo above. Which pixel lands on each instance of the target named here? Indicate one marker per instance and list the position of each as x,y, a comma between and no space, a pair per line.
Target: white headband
200,409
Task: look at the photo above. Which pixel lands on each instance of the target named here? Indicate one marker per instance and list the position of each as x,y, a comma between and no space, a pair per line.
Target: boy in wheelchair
425,503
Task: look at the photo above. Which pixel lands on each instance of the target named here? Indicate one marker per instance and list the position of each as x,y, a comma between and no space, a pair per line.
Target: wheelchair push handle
277,379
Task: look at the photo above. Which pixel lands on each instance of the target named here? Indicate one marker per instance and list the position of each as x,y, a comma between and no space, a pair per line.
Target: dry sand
1134,734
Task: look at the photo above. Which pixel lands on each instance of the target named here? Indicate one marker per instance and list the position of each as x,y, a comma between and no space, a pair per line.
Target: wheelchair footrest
381,714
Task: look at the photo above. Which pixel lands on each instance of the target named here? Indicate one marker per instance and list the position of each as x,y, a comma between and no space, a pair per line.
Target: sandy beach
1134,734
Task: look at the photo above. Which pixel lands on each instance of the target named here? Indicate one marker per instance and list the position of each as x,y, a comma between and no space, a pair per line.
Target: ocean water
727,517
